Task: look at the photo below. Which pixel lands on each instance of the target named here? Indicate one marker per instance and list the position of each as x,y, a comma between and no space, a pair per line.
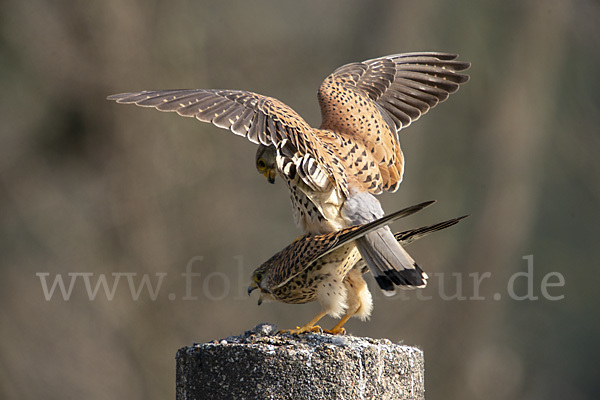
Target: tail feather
368,259
383,279
389,262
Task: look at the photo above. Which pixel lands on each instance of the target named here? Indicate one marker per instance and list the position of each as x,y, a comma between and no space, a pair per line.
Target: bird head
259,281
266,162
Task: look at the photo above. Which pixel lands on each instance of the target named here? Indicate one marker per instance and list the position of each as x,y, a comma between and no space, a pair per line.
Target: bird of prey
334,171
328,268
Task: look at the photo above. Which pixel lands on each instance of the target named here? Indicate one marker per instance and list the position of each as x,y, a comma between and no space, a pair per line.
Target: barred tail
389,263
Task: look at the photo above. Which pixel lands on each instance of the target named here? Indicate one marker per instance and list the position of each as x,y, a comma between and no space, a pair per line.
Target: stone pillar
263,365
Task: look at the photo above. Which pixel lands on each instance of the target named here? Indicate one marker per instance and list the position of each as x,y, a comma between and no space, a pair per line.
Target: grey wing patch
259,118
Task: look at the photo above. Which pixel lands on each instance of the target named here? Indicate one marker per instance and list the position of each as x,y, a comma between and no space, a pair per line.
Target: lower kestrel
328,268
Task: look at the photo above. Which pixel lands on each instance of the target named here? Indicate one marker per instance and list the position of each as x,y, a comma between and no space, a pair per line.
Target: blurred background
99,190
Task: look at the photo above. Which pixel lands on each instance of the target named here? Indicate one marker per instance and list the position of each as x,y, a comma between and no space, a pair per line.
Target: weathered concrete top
261,364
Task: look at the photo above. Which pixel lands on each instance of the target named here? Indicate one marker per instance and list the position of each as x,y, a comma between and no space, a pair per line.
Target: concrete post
263,365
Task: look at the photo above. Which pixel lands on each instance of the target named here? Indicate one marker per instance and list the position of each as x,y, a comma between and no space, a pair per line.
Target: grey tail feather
390,264
407,237
388,261
386,283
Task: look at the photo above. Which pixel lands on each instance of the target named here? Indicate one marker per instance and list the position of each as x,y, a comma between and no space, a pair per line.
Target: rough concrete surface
261,364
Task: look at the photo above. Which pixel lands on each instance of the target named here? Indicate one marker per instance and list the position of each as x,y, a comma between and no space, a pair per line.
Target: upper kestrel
333,171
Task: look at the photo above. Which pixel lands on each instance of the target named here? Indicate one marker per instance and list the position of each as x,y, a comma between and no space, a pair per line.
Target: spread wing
259,118
406,85
363,106
367,103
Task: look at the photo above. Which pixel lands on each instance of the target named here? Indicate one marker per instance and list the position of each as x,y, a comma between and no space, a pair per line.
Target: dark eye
258,277
261,164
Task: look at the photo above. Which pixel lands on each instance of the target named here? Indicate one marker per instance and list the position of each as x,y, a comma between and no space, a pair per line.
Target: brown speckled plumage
333,171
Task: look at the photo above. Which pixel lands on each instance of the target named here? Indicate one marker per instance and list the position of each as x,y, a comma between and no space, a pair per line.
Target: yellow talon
304,329
334,331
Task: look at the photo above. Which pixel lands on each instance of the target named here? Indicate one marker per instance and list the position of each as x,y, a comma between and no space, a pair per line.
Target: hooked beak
270,175
253,286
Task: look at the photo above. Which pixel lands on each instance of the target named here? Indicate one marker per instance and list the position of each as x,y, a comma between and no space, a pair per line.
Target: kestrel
334,171
328,268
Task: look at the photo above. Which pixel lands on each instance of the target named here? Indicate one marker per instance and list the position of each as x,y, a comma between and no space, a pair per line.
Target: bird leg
338,328
359,300
309,326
